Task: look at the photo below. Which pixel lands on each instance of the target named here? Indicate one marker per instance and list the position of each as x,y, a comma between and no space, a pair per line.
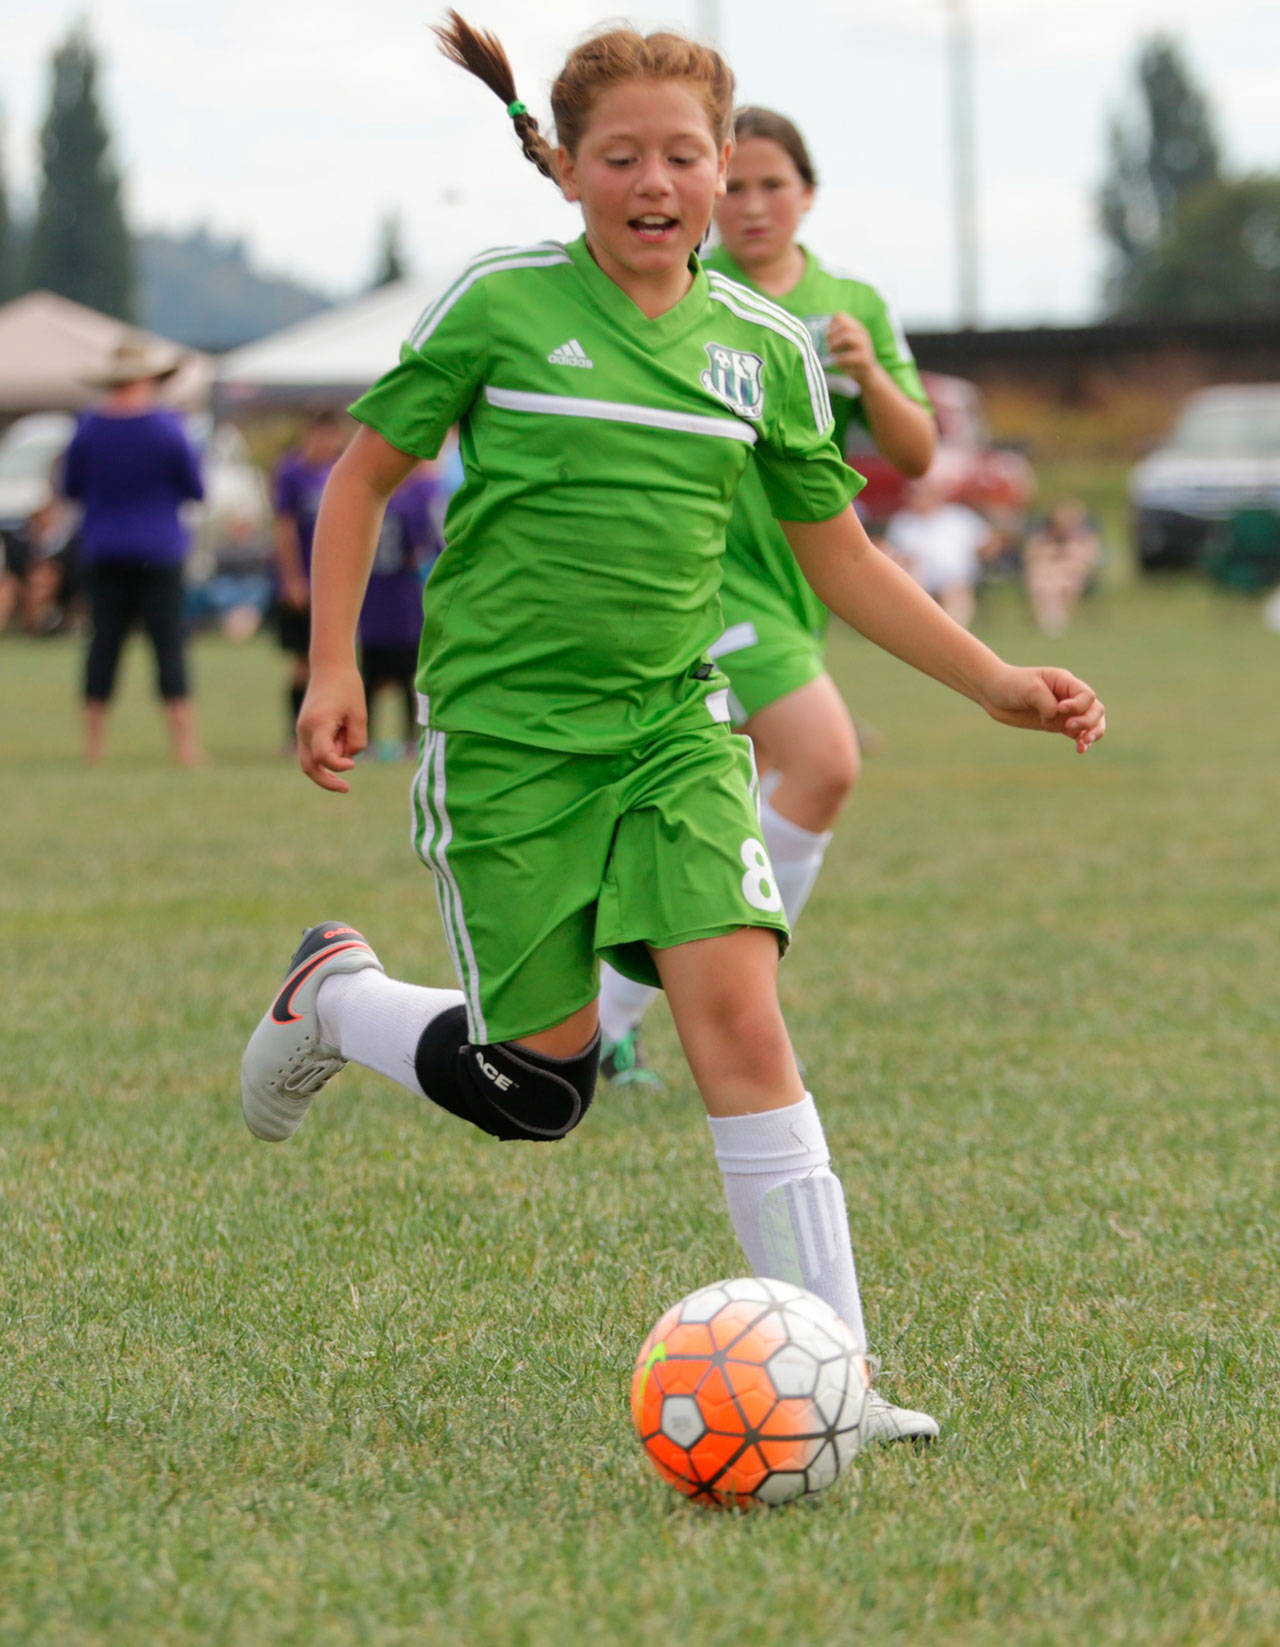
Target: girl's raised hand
333,727
851,347
1047,700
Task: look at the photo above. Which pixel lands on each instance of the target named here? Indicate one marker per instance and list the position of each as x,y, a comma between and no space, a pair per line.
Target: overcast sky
298,124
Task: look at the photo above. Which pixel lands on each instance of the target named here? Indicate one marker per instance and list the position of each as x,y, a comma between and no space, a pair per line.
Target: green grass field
371,1386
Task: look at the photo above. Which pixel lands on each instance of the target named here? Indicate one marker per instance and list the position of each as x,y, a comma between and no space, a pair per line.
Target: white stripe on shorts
736,638
431,785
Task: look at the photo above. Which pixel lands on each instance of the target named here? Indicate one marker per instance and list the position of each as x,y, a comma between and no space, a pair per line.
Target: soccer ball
749,1392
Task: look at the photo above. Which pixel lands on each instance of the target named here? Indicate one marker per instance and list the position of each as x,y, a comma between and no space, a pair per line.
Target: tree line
78,243
1185,236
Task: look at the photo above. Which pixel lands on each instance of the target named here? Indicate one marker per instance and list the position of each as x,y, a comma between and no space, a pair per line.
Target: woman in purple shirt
131,467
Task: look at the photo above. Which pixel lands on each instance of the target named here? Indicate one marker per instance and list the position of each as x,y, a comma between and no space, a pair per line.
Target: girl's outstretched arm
333,723
864,587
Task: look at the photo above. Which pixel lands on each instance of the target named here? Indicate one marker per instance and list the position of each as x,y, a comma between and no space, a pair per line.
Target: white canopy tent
50,347
333,357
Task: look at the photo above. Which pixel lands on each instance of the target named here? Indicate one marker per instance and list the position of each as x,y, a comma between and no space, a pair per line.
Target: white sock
623,1003
796,855
787,1206
377,1021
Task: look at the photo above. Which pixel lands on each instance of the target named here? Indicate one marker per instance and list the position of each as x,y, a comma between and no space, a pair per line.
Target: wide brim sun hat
135,360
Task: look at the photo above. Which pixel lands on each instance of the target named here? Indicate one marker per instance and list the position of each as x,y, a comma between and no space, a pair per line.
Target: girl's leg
807,742
337,1006
787,1206
807,739
379,1021
723,994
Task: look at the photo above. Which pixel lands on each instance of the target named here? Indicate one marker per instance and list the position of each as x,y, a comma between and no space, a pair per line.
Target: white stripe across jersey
620,411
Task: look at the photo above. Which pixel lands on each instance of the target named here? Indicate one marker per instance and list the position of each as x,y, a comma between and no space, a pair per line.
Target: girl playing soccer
772,646
580,792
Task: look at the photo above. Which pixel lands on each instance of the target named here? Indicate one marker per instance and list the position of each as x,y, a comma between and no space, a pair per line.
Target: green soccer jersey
760,570
577,594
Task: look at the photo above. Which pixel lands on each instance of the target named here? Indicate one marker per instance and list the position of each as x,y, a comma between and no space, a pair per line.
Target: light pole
960,74
706,21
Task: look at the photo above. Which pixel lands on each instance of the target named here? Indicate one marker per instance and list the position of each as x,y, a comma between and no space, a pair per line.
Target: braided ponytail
611,58
482,54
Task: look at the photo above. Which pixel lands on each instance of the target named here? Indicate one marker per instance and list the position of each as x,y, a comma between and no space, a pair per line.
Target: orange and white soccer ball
749,1391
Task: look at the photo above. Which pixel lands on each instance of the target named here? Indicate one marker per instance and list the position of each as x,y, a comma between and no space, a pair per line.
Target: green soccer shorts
766,657
546,862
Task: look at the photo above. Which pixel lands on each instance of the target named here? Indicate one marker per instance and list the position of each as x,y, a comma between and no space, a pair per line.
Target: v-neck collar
610,297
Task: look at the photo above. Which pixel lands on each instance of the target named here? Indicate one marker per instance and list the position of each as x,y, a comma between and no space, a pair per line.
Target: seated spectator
942,544
13,567
1061,554
50,588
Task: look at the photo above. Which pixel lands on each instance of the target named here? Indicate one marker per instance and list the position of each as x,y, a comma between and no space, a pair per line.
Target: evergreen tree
391,264
1161,154
80,244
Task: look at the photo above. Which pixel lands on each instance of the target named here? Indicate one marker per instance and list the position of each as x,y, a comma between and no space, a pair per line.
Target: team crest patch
736,377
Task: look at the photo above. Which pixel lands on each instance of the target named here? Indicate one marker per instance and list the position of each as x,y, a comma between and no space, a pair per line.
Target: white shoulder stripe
751,305
739,301
760,303
494,261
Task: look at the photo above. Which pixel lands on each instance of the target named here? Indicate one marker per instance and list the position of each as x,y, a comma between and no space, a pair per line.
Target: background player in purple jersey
296,486
391,617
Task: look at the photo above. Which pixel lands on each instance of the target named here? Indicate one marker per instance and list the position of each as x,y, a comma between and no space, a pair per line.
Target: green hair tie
516,109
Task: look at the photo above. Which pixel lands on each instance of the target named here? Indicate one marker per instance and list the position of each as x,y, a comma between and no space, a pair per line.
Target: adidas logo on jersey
570,354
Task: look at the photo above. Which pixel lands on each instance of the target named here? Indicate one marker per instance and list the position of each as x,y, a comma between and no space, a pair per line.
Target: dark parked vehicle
1223,459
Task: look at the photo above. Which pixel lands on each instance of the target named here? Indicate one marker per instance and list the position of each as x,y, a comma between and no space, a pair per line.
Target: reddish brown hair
757,122
603,60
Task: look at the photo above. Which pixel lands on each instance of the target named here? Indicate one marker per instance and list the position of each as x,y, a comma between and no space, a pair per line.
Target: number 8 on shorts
758,885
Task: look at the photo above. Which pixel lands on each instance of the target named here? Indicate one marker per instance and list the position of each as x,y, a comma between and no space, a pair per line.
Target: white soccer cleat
882,1421
286,1063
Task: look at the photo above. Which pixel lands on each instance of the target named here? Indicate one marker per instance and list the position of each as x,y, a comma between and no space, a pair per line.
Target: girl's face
764,204
647,174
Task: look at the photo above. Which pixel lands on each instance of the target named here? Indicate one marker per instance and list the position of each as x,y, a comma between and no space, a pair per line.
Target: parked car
1222,457
999,483
231,528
